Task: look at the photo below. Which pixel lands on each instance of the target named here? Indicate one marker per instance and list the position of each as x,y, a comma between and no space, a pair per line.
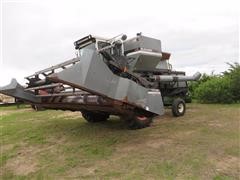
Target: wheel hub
180,107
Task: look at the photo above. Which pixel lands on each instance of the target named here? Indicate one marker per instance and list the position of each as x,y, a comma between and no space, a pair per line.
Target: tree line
221,88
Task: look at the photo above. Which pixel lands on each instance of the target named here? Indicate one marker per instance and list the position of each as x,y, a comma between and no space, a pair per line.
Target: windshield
86,50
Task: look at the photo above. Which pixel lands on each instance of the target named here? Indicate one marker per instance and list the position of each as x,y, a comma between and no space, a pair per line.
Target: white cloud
201,35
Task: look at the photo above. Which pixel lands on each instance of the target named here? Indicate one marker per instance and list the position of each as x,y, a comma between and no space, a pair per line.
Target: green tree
215,90
233,73
193,85
223,88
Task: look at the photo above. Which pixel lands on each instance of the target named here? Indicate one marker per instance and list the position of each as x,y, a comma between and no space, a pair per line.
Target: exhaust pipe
175,78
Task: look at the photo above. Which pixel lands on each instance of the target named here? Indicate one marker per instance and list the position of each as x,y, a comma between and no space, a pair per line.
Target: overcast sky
200,35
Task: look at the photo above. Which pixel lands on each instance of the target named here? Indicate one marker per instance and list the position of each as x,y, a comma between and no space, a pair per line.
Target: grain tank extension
131,78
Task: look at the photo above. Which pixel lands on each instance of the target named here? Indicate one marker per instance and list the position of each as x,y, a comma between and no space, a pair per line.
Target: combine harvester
131,78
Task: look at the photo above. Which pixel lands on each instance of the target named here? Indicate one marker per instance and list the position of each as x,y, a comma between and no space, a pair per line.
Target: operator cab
114,46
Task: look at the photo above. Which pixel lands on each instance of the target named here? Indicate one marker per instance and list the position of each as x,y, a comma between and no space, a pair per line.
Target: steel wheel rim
181,108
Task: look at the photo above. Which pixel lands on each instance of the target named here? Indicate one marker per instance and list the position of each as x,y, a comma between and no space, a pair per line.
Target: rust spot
125,99
42,92
165,55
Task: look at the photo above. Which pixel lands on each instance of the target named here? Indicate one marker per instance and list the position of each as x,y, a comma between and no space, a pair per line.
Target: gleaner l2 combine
131,78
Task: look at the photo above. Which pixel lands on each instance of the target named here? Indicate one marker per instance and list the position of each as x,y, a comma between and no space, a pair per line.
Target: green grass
203,144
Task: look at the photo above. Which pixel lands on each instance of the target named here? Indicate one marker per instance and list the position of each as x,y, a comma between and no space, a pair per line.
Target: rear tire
139,121
178,107
94,117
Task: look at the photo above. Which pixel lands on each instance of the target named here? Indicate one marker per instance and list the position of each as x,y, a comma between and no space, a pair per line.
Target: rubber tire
176,107
94,117
37,108
139,122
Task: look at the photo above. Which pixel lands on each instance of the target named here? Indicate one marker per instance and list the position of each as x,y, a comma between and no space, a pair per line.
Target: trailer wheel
139,121
93,117
178,107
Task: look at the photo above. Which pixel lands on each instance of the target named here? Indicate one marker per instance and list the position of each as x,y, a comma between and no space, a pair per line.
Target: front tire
37,108
139,121
94,117
178,107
